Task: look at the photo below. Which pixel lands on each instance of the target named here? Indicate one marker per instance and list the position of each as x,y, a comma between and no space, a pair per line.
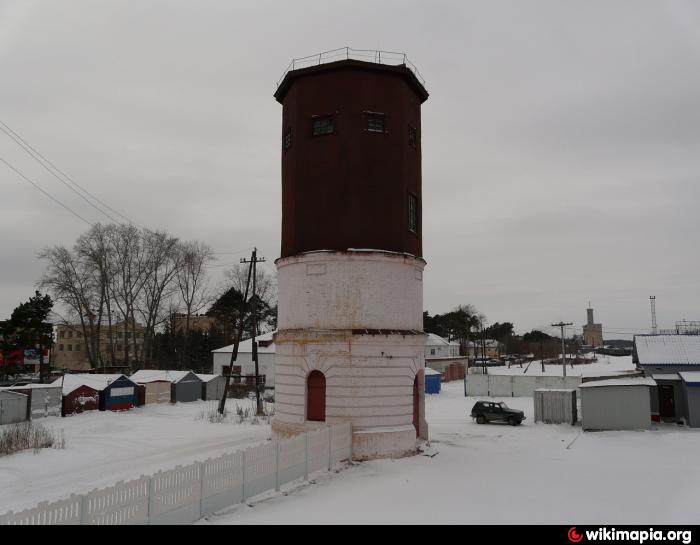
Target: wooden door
416,404
316,397
666,400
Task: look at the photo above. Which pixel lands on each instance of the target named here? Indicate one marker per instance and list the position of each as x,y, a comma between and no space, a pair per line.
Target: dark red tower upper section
351,158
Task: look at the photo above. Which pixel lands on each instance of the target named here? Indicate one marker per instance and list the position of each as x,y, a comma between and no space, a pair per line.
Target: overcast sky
561,140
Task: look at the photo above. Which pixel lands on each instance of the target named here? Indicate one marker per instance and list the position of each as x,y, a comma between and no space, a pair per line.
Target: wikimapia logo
637,536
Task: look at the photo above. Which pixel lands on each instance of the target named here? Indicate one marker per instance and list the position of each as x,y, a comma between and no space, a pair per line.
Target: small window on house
77,348
61,335
432,351
412,213
412,136
60,348
288,139
375,122
323,125
70,334
70,348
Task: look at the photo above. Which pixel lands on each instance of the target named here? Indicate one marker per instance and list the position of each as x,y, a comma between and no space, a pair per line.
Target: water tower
350,341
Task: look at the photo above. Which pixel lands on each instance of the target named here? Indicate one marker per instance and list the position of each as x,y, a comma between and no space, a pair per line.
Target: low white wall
515,385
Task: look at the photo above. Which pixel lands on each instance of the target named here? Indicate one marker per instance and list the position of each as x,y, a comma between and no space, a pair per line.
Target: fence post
201,489
350,443
329,448
83,509
151,497
245,452
306,456
277,467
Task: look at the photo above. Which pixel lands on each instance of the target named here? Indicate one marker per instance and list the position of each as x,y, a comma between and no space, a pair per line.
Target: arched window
416,403
316,397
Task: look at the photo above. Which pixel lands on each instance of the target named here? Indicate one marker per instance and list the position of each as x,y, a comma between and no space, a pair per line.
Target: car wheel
480,419
514,421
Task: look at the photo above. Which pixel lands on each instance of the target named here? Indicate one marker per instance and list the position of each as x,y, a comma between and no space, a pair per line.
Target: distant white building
488,348
439,347
244,362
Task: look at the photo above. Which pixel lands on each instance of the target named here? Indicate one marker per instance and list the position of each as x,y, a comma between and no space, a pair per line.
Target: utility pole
563,350
253,263
239,332
542,354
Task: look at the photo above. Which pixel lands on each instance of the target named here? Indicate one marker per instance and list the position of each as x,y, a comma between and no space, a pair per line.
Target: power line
43,161
47,193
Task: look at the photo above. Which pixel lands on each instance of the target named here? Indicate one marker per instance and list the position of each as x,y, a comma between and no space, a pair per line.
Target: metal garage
691,397
555,406
117,392
157,385
44,399
184,385
13,407
212,386
79,399
616,404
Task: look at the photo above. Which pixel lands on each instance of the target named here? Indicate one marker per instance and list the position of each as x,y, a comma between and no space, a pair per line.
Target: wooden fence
188,493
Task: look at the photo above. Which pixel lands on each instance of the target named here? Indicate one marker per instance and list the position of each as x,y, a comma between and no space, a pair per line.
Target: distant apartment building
592,332
71,346
200,323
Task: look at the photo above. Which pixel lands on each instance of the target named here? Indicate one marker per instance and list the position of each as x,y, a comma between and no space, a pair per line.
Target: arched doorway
316,397
416,404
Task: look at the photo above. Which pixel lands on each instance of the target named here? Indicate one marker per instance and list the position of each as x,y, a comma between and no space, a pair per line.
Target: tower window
323,125
412,213
288,139
375,122
412,136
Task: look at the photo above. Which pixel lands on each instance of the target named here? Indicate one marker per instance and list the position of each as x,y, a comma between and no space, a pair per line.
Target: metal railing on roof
391,58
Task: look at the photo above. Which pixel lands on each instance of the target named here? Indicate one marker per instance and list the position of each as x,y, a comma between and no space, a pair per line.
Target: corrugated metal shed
617,404
184,385
555,406
691,392
13,407
212,386
44,399
81,399
117,391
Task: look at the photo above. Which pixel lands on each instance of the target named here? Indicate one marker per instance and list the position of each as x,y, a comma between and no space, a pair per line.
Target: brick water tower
350,341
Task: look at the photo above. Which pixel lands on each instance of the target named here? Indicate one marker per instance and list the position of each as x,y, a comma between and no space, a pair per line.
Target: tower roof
327,61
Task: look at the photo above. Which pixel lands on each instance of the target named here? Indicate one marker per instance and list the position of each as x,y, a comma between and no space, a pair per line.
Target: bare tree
130,275
164,260
71,282
192,279
93,249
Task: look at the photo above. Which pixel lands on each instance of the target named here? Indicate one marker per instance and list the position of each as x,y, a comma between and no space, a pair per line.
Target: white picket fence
188,493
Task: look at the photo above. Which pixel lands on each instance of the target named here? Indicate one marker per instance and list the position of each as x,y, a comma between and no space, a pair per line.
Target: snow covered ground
605,365
105,447
534,473
495,474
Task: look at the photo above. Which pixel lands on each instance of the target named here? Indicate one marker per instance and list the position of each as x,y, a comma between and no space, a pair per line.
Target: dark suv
491,411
